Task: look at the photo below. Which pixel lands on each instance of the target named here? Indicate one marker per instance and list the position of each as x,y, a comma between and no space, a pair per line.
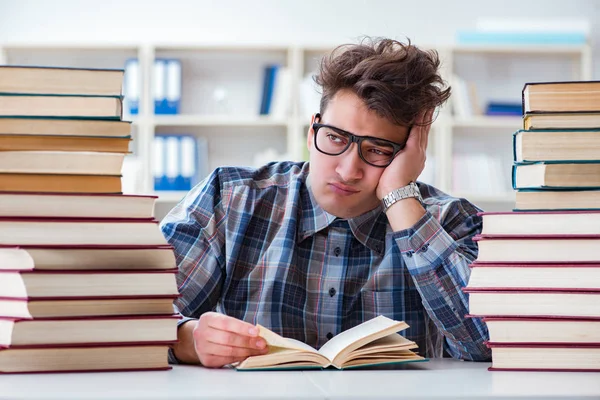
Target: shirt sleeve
437,256
195,229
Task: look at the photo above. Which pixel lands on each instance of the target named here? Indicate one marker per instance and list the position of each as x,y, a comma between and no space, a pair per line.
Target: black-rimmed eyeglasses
374,151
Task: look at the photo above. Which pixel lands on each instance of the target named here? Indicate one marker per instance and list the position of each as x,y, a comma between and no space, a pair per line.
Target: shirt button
337,251
409,254
329,335
332,292
425,247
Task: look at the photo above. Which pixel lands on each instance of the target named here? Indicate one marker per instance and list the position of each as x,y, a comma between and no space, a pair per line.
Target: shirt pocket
387,303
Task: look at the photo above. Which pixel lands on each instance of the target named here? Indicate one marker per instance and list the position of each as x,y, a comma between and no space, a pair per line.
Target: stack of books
87,279
536,281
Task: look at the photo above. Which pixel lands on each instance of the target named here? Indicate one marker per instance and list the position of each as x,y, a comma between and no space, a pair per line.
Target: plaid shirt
255,245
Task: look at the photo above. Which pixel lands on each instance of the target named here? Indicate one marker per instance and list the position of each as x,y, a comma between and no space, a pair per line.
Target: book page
275,340
361,334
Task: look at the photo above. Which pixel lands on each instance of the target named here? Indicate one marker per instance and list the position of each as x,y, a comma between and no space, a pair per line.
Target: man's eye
380,152
335,138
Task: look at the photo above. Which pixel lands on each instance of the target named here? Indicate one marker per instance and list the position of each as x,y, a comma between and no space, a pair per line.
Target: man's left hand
408,163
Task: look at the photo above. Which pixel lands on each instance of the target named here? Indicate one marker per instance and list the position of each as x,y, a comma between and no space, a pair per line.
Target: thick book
67,257
106,144
492,276
130,329
537,200
81,284
76,231
553,330
534,302
373,342
60,183
574,96
556,175
556,145
575,357
93,107
561,121
88,358
61,162
64,127
76,205
541,223
60,307
527,248
55,80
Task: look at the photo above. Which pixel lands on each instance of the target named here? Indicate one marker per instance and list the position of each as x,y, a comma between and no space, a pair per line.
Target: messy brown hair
396,80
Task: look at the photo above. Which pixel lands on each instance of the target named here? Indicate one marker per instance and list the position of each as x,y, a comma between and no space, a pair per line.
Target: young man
312,249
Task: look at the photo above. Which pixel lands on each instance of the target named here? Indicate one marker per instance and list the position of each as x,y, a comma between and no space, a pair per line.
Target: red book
545,357
84,358
86,257
538,249
576,276
539,302
78,231
541,223
76,205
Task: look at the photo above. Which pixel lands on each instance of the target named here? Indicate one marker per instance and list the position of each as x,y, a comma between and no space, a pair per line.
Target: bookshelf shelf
217,120
235,133
488,122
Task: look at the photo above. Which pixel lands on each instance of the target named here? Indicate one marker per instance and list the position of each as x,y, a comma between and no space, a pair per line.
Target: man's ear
309,136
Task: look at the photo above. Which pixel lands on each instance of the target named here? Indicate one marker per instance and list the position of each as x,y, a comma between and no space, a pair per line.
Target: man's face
345,185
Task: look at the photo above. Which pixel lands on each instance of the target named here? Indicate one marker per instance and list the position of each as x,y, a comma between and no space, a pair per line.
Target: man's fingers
213,361
228,338
230,351
230,324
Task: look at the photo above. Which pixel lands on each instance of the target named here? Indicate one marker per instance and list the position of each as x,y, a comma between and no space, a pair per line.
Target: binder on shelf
132,86
180,161
269,76
167,86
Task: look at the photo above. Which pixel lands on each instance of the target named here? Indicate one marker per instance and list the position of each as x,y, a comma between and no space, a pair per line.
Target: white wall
266,21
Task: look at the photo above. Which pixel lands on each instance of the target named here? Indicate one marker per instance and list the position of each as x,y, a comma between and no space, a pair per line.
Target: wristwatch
405,192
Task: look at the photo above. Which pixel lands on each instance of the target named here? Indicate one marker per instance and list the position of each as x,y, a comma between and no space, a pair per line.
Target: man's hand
409,163
217,340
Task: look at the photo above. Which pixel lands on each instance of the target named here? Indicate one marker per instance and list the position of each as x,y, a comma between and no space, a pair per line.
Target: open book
371,343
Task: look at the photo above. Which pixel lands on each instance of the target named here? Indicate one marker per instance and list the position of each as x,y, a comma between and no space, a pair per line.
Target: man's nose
350,166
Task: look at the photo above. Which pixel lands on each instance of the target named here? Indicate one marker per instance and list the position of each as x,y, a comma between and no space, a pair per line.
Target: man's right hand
216,340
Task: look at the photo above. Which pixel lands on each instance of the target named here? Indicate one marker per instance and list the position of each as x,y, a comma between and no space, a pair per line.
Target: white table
437,379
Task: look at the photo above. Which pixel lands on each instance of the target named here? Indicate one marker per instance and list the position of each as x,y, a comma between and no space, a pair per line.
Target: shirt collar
369,228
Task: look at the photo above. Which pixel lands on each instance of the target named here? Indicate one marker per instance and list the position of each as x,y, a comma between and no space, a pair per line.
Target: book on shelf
535,200
59,80
77,205
270,73
527,248
556,145
373,342
556,175
88,257
167,74
504,38
494,276
86,307
64,143
498,108
79,231
131,86
534,302
179,162
64,126
77,358
583,222
60,183
545,357
528,330
557,120
574,96
86,283
61,162
72,106
130,329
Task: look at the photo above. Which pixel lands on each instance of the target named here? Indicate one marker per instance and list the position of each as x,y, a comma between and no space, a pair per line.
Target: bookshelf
220,99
